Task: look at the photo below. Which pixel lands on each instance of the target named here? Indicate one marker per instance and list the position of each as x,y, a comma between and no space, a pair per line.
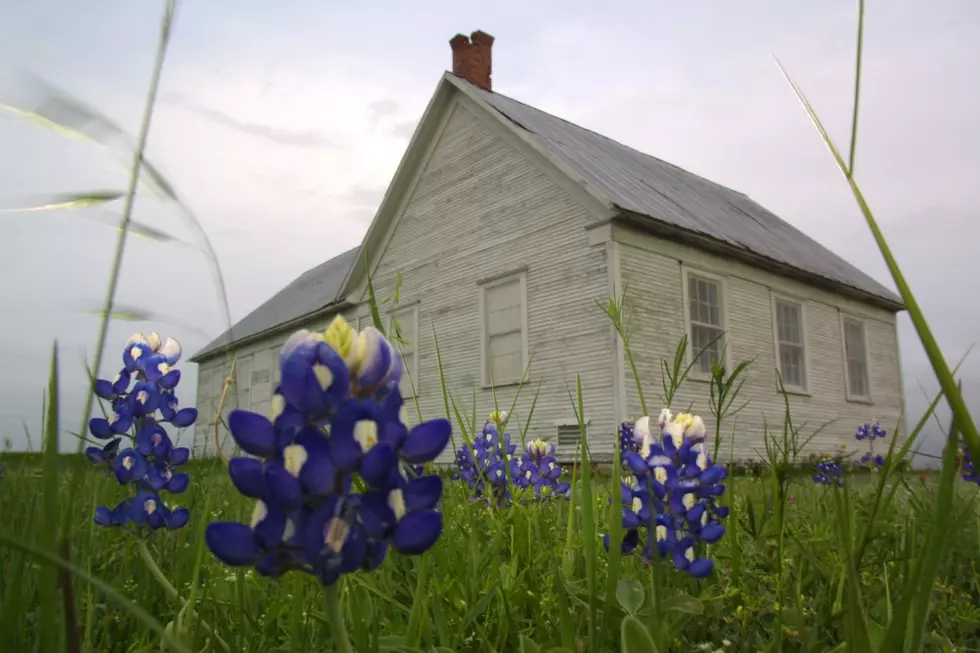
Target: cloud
298,138
380,109
404,129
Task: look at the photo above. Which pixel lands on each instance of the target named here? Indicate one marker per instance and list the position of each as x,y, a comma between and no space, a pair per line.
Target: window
408,325
276,370
856,359
790,342
706,325
504,315
242,382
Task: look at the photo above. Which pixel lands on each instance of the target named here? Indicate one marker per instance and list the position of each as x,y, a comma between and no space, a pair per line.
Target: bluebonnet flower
869,433
336,414
970,472
137,414
828,472
488,465
539,470
627,440
673,494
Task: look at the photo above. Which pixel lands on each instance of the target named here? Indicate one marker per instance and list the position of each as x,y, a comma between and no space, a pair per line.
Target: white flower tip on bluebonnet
696,428
298,338
538,447
498,417
153,340
136,338
665,416
366,350
641,429
171,351
675,430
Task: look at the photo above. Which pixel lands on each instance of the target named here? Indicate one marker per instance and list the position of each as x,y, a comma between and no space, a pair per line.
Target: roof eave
659,228
333,307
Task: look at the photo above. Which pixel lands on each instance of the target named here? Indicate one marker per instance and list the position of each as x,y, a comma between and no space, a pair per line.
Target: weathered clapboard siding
481,209
652,268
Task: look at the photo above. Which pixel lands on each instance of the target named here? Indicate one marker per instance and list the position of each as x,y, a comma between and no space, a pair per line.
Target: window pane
792,366
505,354
700,337
504,320
789,323
854,340
857,378
505,295
704,300
506,368
857,361
276,372
243,380
409,368
406,322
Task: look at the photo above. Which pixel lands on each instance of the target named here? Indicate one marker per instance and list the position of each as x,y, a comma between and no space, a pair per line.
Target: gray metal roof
313,290
644,185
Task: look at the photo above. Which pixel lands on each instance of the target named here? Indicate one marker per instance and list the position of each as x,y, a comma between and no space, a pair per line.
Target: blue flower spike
337,424
871,432
495,473
671,491
139,415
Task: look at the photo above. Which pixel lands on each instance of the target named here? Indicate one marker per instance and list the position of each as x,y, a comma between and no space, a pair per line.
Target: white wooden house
507,224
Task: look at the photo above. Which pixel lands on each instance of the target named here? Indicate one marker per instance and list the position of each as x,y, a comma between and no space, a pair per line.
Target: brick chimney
471,57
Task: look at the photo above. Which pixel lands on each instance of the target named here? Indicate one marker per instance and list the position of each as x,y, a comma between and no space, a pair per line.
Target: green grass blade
588,520
70,201
857,87
908,625
50,612
938,538
615,521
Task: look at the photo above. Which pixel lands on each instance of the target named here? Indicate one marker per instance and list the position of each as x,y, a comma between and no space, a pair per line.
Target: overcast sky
282,123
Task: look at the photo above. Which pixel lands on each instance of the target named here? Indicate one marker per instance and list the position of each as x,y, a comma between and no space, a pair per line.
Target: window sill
700,377
860,400
797,392
505,384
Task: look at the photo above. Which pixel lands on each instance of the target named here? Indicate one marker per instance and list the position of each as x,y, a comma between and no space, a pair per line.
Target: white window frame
865,398
398,313
521,277
686,273
801,303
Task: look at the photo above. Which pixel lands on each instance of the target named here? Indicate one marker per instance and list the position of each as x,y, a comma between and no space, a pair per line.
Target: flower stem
154,568
170,590
331,608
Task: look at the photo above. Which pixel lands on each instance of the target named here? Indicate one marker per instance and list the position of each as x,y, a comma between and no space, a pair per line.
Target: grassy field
497,574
